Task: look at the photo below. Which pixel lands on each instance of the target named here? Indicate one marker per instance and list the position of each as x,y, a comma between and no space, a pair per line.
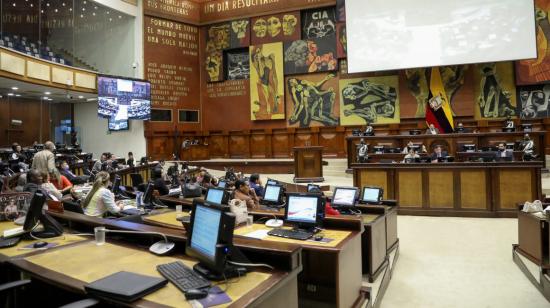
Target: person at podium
411,157
438,154
432,130
502,154
460,129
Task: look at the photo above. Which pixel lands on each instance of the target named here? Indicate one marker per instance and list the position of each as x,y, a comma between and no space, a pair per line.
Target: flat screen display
398,34
205,231
123,99
344,196
214,195
371,194
302,209
118,125
222,184
272,193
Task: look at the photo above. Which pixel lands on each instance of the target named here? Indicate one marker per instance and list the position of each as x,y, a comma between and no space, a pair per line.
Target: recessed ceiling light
10,94
80,96
15,88
45,97
48,93
17,95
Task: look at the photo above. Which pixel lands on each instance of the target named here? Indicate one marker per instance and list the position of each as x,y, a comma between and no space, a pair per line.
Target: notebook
125,286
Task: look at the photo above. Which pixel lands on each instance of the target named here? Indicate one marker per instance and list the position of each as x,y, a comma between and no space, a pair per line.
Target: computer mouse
318,237
196,294
40,244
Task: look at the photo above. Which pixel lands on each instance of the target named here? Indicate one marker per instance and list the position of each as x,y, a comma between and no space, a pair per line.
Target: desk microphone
274,223
158,248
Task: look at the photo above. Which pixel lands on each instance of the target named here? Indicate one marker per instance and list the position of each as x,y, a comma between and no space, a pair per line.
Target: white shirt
102,201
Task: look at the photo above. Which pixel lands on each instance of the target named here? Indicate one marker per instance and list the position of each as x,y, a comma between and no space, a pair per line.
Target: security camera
69,96
134,65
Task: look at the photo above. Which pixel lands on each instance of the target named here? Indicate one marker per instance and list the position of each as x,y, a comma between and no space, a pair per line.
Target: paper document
259,234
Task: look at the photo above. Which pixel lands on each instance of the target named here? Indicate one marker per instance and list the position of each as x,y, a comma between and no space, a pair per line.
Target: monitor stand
229,270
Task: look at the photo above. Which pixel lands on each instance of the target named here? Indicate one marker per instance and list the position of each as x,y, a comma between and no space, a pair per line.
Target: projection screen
397,34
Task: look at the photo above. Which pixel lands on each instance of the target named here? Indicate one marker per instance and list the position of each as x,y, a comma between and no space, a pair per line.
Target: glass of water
179,208
99,233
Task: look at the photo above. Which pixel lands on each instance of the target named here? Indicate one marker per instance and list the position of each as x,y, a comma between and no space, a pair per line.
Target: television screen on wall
118,125
123,98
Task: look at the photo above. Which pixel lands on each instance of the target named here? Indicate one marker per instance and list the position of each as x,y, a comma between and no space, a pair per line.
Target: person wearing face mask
502,154
73,178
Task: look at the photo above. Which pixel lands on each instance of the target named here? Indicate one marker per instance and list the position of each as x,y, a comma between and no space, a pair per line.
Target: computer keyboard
293,234
9,242
182,276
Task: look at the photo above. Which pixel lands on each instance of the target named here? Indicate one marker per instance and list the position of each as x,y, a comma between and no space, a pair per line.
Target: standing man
44,161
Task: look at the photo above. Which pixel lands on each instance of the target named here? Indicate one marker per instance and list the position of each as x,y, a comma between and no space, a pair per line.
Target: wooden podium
308,164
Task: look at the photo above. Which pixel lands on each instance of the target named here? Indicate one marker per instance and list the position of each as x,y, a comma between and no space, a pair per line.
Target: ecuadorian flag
438,108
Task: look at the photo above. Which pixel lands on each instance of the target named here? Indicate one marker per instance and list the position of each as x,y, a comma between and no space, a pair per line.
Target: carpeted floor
458,262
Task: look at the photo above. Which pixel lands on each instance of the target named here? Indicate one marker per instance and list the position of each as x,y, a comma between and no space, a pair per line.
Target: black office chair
73,207
137,179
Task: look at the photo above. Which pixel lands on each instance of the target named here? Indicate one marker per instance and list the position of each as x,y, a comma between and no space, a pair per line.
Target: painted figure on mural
369,100
289,24
311,102
494,101
273,26
260,27
267,85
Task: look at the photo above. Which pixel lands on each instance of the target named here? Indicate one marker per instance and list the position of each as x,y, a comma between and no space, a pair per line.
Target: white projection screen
396,34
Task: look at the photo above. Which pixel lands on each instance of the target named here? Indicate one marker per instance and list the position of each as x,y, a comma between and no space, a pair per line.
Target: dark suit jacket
161,187
443,155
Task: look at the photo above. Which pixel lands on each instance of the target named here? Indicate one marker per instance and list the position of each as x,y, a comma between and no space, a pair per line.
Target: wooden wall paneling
216,145
238,145
409,188
473,188
515,186
304,137
258,144
331,139
441,194
269,143
281,144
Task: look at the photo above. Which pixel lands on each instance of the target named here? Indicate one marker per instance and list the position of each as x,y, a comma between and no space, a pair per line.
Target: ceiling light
45,97
10,94
80,96
15,88
48,93
17,95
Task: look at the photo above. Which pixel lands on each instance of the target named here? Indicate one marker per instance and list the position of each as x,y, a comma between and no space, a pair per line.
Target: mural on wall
214,66
417,83
341,10
312,100
369,100
275,28
239,36
217,37
238,65
267,82
319,23
309,56
537,70
494,90
341,41
533,101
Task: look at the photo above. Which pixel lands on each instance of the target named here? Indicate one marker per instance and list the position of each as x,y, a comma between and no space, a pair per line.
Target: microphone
158,248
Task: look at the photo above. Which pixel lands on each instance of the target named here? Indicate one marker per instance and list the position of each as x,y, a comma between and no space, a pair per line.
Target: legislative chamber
274,153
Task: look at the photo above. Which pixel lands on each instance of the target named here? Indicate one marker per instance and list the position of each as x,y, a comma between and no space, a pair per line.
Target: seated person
207,181
49,188
438,153
21,182
369,130
244,193
460,128
60,182
130,160
73,178
200,177
329,210
432,130
100,199
503,154
411,145
98,166
256,184
158,182
411,156
34,181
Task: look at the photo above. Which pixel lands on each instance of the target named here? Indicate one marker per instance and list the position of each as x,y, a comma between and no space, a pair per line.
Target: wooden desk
73,267
455,189
20,250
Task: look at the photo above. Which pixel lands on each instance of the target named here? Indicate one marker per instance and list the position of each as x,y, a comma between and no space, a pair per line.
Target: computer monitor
272,182
210,240
344,197
305,210
148,195
273,194
116,185
35,215
469,148
312,186
222,184
216,195
371,194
